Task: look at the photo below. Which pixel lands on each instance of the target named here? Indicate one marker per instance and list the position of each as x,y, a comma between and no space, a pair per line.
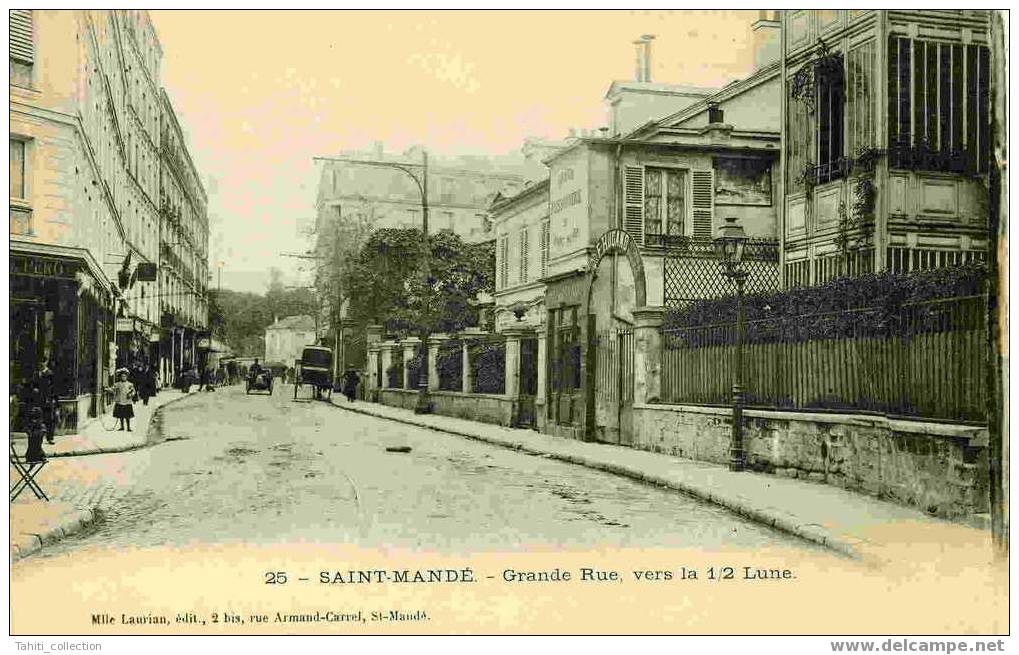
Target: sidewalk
74,492
851,523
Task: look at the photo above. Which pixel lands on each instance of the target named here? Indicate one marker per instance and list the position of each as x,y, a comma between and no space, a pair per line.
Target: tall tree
389,284
339,241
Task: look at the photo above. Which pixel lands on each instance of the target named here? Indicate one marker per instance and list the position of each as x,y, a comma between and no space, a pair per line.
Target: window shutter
544,248
703,183
524,247
504,263
633,202
22,47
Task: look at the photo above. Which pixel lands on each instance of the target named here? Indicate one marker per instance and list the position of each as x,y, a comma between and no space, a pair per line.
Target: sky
260,93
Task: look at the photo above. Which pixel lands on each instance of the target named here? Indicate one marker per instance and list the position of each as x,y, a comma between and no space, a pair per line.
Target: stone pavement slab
101,436
75,491
854,524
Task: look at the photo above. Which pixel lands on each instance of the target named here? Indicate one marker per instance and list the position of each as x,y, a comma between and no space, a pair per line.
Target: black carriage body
316,368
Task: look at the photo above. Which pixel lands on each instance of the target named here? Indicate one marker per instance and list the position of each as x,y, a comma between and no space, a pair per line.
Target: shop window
566,350
938,105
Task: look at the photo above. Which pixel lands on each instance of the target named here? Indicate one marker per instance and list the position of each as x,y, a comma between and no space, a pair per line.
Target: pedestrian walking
124,395
36,429
41,393
148,384
350,381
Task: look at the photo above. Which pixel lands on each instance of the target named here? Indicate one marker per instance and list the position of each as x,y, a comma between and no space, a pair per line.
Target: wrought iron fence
488,366
922,359
449,364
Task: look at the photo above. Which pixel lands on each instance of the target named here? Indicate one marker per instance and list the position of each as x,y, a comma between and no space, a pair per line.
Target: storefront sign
36,266
620,241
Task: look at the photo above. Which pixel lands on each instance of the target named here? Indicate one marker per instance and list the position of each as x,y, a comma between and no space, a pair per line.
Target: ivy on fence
394,375
488,364
450,367
883,304
414,370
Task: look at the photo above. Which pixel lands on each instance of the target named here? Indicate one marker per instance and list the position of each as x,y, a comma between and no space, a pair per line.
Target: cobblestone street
234,468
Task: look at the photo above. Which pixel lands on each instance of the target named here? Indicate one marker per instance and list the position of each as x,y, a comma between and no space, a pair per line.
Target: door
613,384
528,384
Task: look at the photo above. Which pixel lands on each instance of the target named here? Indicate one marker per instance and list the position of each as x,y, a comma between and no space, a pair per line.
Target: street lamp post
729,246
418,173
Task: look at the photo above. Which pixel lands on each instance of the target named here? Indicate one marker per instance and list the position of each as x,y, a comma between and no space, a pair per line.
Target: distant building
183,250
460,191
287,337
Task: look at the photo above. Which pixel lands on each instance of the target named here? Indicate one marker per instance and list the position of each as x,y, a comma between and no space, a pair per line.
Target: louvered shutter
703,204
544,248
633,202
504,264
22,47
524,254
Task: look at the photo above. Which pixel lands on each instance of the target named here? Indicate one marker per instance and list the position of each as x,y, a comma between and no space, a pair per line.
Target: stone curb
126,447
73,523
77,521
770,517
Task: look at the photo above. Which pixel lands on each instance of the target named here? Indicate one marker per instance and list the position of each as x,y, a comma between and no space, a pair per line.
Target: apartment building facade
85,183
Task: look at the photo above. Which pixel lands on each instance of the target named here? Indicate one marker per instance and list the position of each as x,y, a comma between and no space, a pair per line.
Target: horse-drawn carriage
315,369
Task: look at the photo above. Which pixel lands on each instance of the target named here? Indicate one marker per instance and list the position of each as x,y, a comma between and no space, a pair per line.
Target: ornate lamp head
730,242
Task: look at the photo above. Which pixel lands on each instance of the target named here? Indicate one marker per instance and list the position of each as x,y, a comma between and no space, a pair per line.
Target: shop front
566,331
60,315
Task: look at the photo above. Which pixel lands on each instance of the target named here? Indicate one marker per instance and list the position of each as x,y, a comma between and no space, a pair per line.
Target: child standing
124,395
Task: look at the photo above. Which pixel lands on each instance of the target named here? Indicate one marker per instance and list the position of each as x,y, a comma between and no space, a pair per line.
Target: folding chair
26,476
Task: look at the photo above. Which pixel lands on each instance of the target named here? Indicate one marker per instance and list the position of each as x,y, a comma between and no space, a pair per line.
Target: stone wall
935,467
486,408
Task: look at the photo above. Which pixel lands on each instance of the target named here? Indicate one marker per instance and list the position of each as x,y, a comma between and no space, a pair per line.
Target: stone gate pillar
540,400
410,349
387,348
647,354
512,382
467,383
434,342
373,366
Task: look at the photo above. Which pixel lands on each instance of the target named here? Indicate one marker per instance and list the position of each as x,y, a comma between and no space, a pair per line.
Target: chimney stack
647,39
638,74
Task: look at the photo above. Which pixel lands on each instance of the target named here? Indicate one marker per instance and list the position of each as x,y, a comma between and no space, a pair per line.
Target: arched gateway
613,290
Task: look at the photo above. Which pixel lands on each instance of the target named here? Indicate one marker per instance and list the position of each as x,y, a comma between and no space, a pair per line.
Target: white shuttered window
544,248
524,255
703,184
22,45
633,202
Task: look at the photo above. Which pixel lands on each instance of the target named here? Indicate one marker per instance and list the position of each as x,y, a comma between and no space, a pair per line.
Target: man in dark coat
350,380
41,393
